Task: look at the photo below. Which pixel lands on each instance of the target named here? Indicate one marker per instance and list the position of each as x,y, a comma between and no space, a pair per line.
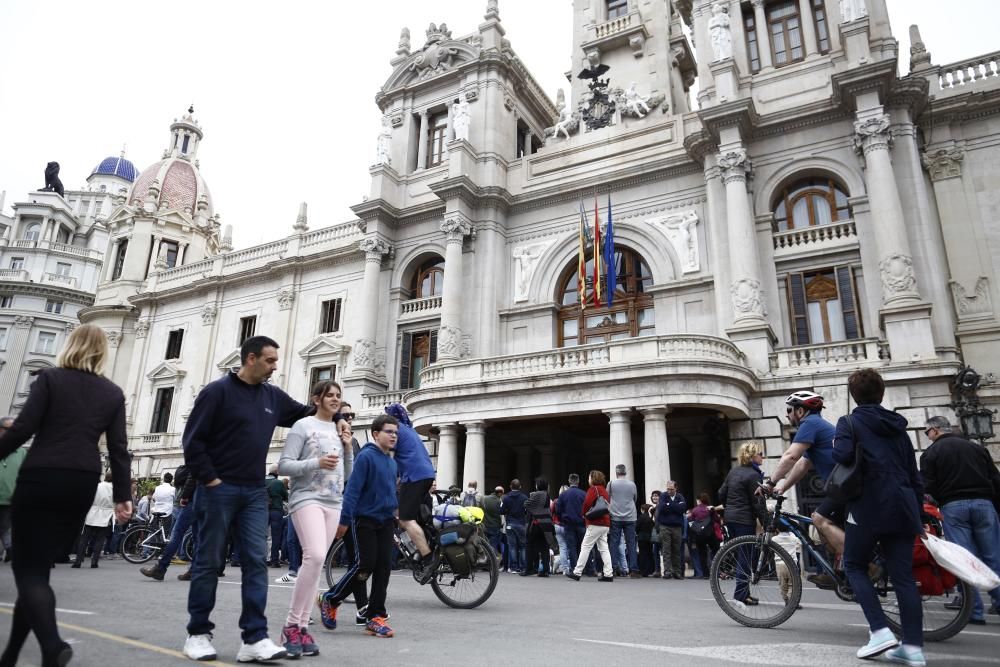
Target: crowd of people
326,486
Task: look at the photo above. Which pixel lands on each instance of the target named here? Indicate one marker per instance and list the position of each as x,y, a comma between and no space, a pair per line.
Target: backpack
469,500
702,527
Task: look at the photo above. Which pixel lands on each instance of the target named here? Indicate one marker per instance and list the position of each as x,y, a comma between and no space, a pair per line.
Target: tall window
822,26
813,201
161,410
171,249
330,316
322,374
175,340
823,306
617,8
429,279
32,232
54,307
116,273
6,301
631,311
16,263
438,125
785,26
62,236
753,50
248,325
46,343
63,269
418,351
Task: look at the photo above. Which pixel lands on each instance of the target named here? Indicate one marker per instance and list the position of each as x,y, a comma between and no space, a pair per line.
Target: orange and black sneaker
328,611
378,628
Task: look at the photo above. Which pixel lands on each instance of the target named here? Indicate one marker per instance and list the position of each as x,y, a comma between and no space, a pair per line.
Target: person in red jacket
597,528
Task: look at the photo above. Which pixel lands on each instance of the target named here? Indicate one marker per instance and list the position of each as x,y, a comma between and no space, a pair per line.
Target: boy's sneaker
879,642
287,578
152,571
291,637
328,611
199,647
907,655
377,628
360,617
260,651
309,646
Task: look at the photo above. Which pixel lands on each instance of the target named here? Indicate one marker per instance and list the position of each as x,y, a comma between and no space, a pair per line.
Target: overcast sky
283,91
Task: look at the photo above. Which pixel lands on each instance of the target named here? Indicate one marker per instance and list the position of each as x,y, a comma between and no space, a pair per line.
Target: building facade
51,257
786,208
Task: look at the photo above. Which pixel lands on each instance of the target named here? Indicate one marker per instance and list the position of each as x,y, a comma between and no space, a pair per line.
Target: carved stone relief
897,276
525,263
141,328
208,313
434,57
114,338
943,163
872,133
364,353
977,304
286,297
682,231
449,342
747,298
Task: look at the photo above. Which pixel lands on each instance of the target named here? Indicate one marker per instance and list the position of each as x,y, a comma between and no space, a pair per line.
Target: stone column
747,301
657,450
808,23
456,227
763,34
364,347
526,143
621,442
832,19
475,454
17,343
447,456
422,142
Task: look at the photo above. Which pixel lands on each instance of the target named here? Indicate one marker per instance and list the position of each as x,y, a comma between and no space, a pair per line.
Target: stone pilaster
17,344
364,349
422,142
657,467
447,458
763,34
475,454
455,227
620,442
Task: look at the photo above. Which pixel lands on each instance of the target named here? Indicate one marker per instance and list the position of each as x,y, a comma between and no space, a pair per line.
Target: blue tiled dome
117,166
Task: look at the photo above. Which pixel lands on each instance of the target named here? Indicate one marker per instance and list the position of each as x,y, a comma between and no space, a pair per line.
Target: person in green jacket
9,468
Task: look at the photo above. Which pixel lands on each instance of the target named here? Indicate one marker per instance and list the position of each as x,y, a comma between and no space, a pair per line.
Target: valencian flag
581,272
609,257
598,249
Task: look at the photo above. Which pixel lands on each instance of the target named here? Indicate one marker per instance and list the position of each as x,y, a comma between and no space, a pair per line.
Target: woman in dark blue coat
887,513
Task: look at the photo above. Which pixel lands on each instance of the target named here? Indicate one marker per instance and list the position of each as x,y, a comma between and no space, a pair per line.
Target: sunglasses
927,431
347,415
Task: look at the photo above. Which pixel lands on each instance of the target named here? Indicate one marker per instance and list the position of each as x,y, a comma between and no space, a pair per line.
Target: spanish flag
581,273
598,260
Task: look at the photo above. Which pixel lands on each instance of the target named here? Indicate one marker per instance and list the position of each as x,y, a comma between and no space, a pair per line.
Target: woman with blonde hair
597,528
68,409
743,505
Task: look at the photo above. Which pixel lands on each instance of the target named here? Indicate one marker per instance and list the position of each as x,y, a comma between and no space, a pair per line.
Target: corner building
807,212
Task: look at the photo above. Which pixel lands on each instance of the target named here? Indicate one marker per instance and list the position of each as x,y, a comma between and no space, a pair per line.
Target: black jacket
68,411
739,496
956,469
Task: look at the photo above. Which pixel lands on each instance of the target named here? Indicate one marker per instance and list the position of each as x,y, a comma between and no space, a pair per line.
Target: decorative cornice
456,226
735,165
23,321
943,163
872,134
374,249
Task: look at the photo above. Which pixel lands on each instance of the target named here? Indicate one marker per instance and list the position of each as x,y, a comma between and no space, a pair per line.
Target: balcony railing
615,25
673,348
971,72
54,246
794,239
59,279
376,402
427,306
19,275
866,351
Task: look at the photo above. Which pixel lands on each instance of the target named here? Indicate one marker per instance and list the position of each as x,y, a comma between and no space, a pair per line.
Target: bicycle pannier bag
599,509
458,558
845,482
459,534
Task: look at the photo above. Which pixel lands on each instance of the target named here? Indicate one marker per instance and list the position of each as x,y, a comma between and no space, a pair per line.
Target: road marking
806,655
153,648
843,606
10,605
964,632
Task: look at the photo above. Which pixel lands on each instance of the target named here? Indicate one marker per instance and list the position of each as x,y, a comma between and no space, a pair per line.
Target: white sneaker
199,647
261,651
288,578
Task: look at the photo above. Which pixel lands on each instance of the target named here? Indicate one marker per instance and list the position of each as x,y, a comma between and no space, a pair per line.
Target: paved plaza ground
114,616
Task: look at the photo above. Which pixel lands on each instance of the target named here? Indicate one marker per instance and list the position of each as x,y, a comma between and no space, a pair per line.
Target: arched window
32,232
429,279
813,201
631,311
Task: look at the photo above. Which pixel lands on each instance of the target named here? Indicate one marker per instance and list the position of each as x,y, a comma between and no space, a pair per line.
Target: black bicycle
750,567
144,541
467,572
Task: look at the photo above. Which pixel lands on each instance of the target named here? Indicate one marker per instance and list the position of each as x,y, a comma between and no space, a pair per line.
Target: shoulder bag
599,509
845,483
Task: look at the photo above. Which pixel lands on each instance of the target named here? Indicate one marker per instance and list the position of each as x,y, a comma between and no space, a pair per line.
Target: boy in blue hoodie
368,512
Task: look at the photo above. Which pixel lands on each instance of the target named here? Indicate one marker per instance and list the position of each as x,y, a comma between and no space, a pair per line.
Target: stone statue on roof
52,182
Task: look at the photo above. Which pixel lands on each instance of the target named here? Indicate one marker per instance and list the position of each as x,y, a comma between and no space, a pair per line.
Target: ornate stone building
808,212
51,257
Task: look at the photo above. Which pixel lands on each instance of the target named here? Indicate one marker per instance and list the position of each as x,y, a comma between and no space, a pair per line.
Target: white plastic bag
962,563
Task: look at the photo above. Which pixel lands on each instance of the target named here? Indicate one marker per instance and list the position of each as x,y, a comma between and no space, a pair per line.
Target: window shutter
404,361
797,309
848,302
432,355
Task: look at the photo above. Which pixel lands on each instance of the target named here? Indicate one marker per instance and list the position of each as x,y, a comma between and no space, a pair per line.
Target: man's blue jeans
574,538
217,509
516,542
181,524
494,538
630,564
974,525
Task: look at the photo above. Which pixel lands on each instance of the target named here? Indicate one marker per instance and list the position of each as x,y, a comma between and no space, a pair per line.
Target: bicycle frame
797,525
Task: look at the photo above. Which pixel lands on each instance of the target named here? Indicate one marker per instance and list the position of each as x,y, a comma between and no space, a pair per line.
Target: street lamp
976,419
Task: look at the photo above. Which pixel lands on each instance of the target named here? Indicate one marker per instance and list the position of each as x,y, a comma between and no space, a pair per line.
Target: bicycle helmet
805,399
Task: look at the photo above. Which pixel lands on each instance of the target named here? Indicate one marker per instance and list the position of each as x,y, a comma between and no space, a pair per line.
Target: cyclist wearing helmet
812,448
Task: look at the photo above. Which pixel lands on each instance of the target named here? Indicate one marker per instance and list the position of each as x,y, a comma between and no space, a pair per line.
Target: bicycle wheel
335,566
469,590
747,563
940,622
133,549
187,546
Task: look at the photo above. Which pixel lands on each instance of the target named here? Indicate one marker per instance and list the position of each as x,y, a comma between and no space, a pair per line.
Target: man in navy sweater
670,513
368,512
225,447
